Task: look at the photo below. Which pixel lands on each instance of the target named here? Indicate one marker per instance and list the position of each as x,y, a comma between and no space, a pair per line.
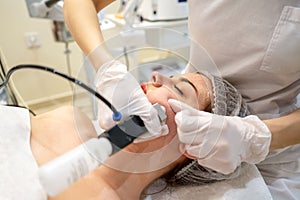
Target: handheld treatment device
60,173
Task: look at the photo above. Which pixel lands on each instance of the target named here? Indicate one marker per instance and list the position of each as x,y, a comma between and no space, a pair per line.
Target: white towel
248,185
18,168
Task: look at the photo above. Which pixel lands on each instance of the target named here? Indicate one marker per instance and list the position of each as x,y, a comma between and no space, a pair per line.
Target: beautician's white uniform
256,46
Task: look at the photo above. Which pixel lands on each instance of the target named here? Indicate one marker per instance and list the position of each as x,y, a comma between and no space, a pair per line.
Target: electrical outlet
32,40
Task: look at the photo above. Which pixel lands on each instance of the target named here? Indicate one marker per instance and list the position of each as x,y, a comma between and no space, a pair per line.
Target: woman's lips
144,87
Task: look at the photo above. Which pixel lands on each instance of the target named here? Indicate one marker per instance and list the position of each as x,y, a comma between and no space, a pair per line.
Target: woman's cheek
160,95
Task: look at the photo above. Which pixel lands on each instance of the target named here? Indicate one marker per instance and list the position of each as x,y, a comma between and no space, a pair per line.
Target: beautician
256,46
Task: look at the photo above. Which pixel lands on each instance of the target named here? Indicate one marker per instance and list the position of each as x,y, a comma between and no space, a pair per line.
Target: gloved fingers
192,137
189,122
147,136
109,72
124,92
200,133
151,121
153,125
193,150
188,129
192,129
107,82
175,105
178,106
221,164
104,115
182,149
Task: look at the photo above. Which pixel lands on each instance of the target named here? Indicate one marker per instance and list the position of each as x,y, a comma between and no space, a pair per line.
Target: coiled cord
116,114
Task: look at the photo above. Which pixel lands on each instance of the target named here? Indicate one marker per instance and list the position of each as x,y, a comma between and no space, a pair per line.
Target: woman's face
186,88
180,87
176,87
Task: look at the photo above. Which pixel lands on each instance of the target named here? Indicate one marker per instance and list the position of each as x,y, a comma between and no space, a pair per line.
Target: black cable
68,62
2,68
9,89
116,115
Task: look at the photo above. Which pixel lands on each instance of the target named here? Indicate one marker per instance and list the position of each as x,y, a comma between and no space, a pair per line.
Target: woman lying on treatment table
61,130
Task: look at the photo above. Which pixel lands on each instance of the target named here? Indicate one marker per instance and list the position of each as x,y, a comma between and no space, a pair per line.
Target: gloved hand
220,142
123,91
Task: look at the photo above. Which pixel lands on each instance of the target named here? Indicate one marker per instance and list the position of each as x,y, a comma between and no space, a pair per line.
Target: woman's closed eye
178,90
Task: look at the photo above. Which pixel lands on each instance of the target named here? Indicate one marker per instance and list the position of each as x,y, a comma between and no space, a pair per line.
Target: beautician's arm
285,130
81,18
107,183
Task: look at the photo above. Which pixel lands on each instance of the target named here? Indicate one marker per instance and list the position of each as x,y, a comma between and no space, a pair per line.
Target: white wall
34,86
38,86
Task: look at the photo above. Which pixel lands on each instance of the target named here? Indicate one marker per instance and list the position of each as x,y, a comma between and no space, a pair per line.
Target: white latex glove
220,142
122,90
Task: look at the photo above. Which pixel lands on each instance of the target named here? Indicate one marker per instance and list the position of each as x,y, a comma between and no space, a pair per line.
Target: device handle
58,174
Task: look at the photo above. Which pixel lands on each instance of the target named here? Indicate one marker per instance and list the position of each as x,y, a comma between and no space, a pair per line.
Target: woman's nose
158,79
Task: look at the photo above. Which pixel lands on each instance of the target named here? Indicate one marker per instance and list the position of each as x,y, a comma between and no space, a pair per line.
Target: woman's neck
131,185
